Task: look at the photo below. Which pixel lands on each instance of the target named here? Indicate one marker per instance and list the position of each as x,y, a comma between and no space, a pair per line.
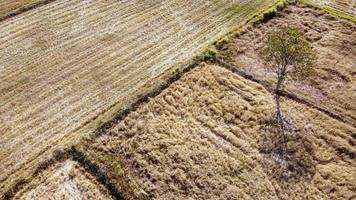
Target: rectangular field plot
205,137
333,87
64,180
64,63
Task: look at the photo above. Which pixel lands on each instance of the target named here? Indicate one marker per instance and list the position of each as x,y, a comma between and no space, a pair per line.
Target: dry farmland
347,6
64,63
334,86
11,7
203,138
64,180
75,74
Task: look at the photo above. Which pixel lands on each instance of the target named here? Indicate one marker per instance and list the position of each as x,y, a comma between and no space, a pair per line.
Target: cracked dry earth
201,139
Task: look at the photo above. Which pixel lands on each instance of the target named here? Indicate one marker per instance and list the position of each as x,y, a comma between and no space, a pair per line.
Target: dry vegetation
64,63
205,136
11,7
347,6
64,180
334,86
209,135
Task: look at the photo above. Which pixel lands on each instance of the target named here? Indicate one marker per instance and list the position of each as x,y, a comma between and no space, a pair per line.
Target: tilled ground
334,85
207,137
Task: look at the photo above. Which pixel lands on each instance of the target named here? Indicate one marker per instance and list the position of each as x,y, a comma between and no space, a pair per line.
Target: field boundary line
92,168
235,69
69,154
24,9
58,156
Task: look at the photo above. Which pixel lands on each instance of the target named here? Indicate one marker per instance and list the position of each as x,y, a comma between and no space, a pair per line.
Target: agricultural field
107,100
64,180
346,6
65,63
333,87
11,7
204,137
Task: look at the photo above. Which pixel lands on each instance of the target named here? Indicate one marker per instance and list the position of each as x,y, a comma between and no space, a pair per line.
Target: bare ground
205,136
334,87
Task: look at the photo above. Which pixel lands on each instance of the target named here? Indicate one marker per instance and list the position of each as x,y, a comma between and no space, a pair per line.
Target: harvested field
347,6
65,180
204,138
334,86
66,62
11,7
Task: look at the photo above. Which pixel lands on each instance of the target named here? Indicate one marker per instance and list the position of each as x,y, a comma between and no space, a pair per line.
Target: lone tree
290,56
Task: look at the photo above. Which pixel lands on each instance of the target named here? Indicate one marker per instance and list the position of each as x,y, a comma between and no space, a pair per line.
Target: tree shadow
288,154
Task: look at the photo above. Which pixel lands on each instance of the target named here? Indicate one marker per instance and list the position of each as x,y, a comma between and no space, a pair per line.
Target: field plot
66,62
202,138
334,86
11,7
66,180
347,6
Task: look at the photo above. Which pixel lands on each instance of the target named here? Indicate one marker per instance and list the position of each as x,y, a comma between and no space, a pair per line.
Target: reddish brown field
334,86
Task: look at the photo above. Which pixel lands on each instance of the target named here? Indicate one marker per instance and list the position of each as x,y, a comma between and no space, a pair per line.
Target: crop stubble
64,180
201,138
64,63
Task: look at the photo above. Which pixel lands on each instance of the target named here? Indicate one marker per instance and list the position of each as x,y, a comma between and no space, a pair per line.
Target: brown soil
334,86
205,137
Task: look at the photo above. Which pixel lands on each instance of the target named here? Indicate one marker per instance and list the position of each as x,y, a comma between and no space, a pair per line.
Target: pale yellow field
205,136
65,63
66,180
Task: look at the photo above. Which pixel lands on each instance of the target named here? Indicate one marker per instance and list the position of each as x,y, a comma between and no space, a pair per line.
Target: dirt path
66,62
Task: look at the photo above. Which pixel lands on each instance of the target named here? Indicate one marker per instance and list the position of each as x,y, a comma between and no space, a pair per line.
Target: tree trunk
281,127
279,86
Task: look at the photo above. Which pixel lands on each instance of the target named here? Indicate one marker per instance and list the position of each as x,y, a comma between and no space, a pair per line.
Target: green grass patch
337,13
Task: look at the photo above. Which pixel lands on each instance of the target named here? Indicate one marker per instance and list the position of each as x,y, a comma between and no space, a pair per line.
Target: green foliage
338,13
210,53
289,53
269,12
